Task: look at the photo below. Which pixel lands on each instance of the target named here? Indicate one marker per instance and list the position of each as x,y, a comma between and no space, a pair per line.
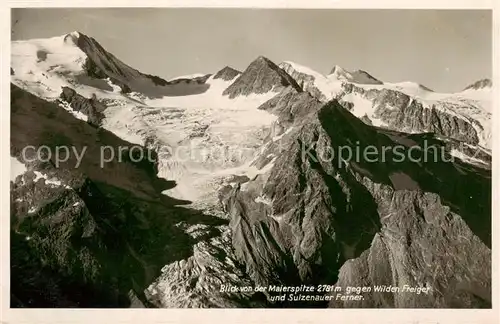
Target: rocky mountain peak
261,76
73,37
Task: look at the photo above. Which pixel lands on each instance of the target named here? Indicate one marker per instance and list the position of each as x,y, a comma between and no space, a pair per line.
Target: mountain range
234,200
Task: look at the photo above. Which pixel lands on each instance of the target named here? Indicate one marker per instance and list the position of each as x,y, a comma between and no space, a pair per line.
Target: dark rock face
92,108
316,218
89,236
227,74
483,83
261,76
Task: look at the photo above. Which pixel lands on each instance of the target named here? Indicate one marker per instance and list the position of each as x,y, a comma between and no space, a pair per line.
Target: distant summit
358,76
363,77
481,84
261,76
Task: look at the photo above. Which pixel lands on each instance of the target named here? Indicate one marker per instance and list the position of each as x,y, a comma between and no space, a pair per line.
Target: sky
445,50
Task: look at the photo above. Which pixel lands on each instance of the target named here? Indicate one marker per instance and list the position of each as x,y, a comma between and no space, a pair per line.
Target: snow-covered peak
312,81
358,76
363,77
339,72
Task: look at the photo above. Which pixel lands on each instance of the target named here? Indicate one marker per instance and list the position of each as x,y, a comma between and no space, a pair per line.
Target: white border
344,316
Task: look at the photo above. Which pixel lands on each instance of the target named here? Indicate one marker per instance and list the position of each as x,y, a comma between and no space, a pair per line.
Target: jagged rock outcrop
261,76
227,74
92,108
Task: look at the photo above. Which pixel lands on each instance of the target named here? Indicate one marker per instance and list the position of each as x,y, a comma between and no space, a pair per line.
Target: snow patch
16,168
53,182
